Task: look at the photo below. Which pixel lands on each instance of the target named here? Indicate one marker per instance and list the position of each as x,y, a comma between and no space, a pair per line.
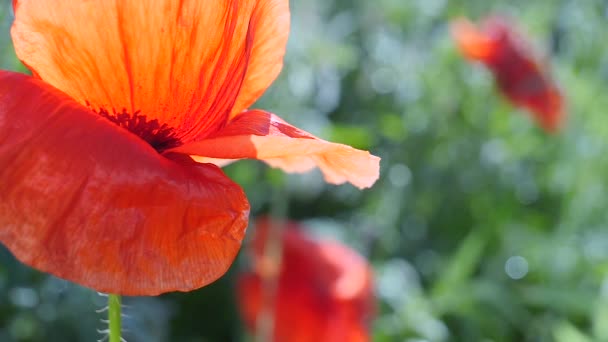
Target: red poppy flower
324,289
97,185
520,75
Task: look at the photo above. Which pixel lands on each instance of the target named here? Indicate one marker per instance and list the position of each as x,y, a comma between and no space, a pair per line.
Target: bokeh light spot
516,267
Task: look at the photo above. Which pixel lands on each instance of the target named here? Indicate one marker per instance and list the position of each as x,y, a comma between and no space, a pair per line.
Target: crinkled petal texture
324,289
181,72
261,135
189,64
86,200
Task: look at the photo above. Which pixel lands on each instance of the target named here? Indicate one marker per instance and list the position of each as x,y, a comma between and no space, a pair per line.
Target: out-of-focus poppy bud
519,73
323,290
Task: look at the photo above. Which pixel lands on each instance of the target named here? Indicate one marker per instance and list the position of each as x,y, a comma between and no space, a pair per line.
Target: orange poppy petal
87,201
179,62
261,135
473,43
270,23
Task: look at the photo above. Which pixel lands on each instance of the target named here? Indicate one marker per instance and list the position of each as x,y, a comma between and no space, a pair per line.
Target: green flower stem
114,318
272,251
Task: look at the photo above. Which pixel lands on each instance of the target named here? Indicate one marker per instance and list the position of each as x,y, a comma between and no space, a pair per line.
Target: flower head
98,179
519,74
324,289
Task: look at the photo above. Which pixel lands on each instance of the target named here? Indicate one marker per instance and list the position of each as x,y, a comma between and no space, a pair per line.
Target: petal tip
366,177
472,42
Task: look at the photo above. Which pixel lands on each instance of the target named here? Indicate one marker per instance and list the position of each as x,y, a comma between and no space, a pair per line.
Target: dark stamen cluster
160,137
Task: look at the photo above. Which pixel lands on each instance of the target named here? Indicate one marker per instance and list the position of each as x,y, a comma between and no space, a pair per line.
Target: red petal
526,86
473,43
261,135
324,289
87,201
519,73
183,63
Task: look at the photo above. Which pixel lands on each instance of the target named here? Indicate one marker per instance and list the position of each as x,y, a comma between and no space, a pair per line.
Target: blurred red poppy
520,75
324,290
97,182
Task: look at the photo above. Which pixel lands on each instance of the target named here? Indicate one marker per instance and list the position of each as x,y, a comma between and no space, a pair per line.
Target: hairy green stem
114,318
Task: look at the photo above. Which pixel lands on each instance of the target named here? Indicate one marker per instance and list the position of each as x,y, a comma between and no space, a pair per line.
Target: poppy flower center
159,136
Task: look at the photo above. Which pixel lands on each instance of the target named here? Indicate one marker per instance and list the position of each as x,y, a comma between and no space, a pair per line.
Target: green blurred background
481,227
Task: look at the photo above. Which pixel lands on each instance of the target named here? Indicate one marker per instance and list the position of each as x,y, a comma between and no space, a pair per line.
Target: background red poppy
324,289
520,74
